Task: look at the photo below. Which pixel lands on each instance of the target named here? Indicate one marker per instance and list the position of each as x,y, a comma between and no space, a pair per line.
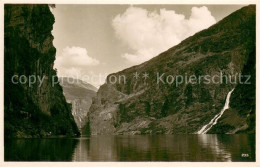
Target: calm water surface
134,148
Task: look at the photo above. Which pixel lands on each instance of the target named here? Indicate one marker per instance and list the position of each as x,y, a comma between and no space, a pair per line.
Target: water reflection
165,148
211,144
39,149
136,148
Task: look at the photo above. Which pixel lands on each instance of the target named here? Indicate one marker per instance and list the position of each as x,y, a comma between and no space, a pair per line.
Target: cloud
74,61
150,33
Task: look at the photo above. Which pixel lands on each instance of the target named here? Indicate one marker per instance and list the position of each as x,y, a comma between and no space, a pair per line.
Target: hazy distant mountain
79,93
77,83
144,107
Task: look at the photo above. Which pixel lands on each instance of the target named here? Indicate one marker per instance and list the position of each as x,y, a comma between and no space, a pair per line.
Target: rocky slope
142,106
240,118
35,110
79,94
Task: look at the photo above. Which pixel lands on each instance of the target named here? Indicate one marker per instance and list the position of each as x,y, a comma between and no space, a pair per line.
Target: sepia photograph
129,82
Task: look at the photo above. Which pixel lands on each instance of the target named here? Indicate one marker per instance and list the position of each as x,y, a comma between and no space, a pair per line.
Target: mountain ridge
152,109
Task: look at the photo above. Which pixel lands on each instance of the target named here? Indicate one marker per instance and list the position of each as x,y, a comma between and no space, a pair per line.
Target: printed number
244,155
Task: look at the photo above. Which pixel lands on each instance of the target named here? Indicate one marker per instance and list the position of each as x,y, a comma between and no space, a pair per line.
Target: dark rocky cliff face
144,107
32,110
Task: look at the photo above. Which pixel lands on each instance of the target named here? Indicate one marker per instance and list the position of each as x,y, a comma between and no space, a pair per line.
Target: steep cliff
240,118
145,106
79,94
32,110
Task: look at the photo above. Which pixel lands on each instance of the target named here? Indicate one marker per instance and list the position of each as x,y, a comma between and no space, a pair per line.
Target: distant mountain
142,106
77,83
79,93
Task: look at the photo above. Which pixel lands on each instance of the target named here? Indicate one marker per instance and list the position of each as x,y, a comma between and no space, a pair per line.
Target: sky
93,41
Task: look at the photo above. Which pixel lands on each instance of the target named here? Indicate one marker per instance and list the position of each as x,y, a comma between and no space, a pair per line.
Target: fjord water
203,147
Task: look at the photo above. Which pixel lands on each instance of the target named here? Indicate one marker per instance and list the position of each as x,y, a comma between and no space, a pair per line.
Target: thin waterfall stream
214,121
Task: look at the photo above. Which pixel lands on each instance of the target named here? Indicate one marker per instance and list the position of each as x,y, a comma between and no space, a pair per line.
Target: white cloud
150,33
73,61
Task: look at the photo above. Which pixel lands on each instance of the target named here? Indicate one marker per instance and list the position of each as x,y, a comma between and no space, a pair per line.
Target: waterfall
214,121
